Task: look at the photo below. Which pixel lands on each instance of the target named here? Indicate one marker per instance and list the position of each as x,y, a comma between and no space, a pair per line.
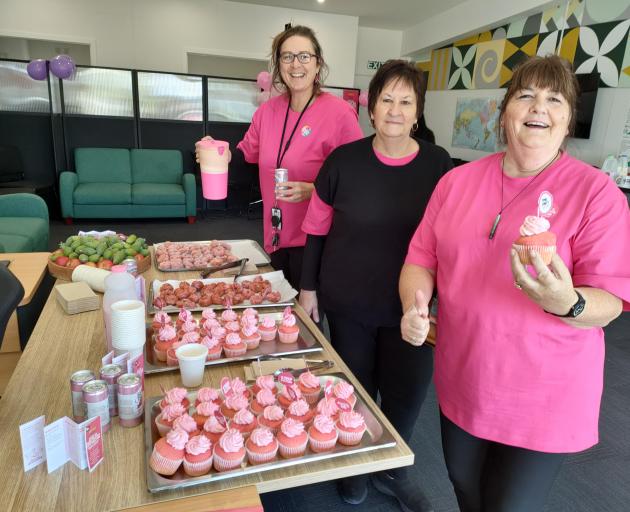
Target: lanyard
281,153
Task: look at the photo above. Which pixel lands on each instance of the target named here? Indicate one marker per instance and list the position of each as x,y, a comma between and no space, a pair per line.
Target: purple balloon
36,69
62,66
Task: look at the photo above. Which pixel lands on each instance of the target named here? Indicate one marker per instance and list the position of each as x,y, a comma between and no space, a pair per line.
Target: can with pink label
97,402
77,381
130,400
110,373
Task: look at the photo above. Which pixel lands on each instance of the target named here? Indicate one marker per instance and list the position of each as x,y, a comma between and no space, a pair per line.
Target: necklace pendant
493,230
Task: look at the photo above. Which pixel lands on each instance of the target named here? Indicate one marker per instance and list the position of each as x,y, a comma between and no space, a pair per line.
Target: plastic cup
128,325
192,361
213,162
214,186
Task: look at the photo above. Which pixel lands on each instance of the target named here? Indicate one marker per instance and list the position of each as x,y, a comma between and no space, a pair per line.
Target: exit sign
374,64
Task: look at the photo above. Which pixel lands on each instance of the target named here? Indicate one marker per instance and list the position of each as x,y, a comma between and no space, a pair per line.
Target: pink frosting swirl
265,382
268,322
233,326
175,395
343,390
207,394
299,407
285,392
185,422
265,397
189,325
324,423
236,402
210,341
250,320
250,312
261,436
198,445
213,426
162,318
273,413
328,407
208,314
351,419
534,225
210,324
190,337
238,386
177,438
232,339
218,332
172,411
243,417
309,380
291,427
288,320
207,408
231,441
249,330
167,333
184,315
229,315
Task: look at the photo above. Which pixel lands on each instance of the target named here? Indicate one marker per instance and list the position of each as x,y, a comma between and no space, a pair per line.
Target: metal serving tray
305,343
375,438
249,249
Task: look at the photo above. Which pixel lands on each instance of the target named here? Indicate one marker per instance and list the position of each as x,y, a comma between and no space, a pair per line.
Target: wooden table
62,344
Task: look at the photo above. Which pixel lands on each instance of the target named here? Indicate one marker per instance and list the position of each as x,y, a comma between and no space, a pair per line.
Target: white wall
157,34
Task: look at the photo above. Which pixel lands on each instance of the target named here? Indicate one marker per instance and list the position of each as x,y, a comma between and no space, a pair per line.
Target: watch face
578,308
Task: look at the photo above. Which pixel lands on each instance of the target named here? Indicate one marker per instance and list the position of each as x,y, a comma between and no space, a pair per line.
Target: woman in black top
369,197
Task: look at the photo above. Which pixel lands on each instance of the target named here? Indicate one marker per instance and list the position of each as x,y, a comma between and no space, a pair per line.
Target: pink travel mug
213,161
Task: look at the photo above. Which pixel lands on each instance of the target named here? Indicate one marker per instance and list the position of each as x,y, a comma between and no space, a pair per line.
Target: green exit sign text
374,64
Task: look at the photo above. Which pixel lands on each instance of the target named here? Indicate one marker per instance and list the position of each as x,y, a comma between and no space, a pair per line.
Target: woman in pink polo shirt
296,131
520,350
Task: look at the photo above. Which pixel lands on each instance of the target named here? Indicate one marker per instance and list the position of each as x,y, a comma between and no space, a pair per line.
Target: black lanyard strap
281,153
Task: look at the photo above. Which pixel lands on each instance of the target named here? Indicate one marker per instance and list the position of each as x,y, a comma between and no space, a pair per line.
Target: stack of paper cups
213,160
94,277
128,327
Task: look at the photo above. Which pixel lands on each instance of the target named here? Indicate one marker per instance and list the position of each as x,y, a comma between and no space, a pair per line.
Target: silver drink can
110,373
95,396
281,175
77,381
130,400
132,266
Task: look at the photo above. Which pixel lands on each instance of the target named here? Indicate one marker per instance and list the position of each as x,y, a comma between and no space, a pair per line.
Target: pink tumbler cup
213,161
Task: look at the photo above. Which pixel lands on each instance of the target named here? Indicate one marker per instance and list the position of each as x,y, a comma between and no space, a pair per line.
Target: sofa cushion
156,166
102,165
102,193
33,229
157,193
16,243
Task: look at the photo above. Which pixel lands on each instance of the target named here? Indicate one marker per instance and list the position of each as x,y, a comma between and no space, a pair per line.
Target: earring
414,128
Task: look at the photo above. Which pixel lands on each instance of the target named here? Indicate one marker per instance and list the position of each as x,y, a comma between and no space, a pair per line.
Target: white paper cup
128,324
192,361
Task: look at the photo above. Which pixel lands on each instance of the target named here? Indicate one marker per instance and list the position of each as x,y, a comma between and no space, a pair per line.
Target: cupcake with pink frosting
203,411
164,339
535,236
175,396
261,446
219,333
215,349
160,319
229,315
184,315
250,335
249,315
164,420
189,337
229,452
207,394
285,397
238,387
168,452
310,387
213,429
208,325
300,410
345,391
288,330
244,421
328,407
264,382
351,427
187,424
171,356
234,345
232,327
292,438
208,314
197,456
267,329
262,399
234,403
322,435
271,417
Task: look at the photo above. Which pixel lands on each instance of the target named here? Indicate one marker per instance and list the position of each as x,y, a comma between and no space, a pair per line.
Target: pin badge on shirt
306,130
545,205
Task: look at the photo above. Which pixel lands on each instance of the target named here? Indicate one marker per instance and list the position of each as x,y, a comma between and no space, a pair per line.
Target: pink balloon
262,96
37,70
363,98
264,80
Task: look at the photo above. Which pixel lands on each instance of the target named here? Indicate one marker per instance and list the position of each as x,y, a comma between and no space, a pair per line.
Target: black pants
494,477
289,260
384,363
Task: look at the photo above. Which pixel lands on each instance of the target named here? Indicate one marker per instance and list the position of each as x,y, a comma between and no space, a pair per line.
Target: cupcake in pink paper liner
208,314
175,396
271,417
248,314
229,452
288,330
234,403
189,337
328,407
208,325
198,456
171,357
261,446
234,345
215,349
219,333
164,420
168,452
164,339
232,327
207,394
322,435
264,382
345,391
288,395
310,387
160,319
267,329
292,438
249,334
299,410
188,326
535,236
203,411
186,423
183,316
229,315
235,386
213,429
244,421
351,427
262,399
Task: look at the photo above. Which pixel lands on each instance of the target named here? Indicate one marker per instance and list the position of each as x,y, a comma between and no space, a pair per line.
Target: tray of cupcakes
196,437
229,335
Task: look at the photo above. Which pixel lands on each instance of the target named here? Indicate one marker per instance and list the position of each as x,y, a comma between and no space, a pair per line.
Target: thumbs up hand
414,325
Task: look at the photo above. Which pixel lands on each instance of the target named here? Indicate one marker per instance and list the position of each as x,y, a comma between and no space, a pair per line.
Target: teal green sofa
118,183
24,223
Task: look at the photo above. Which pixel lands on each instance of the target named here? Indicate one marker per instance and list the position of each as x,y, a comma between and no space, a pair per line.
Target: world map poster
475,124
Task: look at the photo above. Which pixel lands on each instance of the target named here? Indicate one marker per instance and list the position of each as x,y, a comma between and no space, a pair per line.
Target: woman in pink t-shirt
296,131
520,350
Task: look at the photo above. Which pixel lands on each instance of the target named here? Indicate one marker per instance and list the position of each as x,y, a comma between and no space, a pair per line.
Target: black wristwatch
576,309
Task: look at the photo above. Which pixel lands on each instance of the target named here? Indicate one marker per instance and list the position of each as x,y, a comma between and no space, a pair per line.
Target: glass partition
168,96
232,100
19,92
99,92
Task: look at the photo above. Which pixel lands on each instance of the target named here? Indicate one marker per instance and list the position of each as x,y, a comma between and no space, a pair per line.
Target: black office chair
11,295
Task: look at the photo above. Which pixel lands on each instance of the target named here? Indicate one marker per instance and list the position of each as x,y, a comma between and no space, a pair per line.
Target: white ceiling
390,14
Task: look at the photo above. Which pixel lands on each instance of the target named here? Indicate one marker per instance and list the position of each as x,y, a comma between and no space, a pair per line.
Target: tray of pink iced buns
192,438
230,335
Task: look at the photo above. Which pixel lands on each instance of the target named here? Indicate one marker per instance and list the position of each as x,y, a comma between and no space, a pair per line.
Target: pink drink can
77,381
110,373
97,402
132,266
130,400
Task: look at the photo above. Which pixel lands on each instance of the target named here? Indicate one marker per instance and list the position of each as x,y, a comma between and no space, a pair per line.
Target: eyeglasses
302,57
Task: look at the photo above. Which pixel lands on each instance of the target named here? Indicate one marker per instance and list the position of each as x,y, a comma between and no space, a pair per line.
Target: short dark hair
550,72
397,69
298,30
